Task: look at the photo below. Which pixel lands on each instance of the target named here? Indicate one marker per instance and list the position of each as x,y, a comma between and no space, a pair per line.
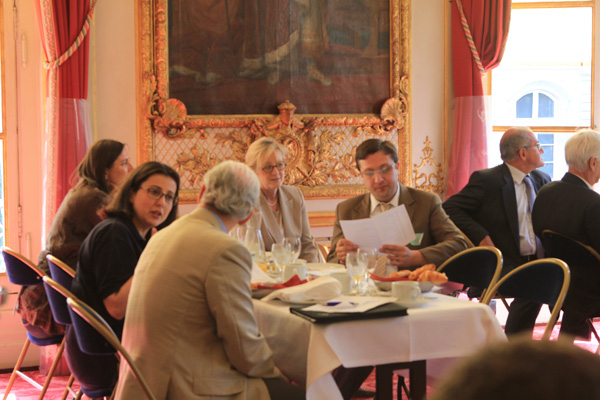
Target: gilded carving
432,181
321,146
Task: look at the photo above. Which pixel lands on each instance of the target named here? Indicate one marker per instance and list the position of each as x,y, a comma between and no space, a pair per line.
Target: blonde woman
282,207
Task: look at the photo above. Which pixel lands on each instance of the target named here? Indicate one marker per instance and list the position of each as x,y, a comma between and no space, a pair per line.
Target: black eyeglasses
269,168
538,145
156,194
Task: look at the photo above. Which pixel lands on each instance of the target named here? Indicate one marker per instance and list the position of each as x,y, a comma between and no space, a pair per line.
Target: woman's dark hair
99,157
121,205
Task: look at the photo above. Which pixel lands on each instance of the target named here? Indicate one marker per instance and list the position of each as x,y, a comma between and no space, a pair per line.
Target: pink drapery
488,22
63,26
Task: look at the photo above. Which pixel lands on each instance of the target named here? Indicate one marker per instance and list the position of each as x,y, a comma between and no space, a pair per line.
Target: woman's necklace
274,203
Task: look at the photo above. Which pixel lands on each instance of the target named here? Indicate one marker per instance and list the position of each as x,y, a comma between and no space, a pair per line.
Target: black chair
584,263
477,267
23,272
81,314
543,281
57,297
60,272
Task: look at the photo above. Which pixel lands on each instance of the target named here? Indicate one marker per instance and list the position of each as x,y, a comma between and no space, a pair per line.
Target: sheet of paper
361,232
350,304
390,227
394,226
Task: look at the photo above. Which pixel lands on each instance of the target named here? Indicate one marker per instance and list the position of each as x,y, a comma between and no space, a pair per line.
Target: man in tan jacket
190,325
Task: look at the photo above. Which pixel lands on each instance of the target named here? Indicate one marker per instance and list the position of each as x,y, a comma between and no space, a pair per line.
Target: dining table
441,330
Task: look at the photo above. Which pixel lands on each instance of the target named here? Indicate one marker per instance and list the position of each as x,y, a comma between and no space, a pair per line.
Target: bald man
493,210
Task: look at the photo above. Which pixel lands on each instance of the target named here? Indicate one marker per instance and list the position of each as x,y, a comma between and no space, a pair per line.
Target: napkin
320,289
293,281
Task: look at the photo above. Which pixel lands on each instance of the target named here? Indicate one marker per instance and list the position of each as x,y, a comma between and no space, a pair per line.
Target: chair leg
402,386
52,369
590,322
69,390
17,366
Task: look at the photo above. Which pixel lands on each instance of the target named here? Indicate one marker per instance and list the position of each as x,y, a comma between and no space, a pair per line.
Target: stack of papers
350,304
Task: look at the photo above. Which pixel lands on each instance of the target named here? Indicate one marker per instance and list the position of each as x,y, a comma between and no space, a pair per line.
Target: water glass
255,245
295,245
282,256
367,257
357,272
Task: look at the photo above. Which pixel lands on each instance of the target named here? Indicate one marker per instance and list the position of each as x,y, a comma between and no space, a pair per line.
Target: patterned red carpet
23,391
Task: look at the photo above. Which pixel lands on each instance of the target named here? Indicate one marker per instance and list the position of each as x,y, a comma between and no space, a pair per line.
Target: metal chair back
96,322
477,266
543,281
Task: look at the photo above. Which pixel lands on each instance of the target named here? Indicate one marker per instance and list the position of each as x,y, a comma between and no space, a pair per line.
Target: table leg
418,380
417,375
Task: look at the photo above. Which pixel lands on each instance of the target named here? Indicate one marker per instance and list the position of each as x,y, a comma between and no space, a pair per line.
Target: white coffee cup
294,269
345,279
406,291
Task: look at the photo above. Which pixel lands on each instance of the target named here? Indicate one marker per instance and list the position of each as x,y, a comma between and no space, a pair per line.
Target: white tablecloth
442,328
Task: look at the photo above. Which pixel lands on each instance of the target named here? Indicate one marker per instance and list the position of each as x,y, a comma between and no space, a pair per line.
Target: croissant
417,272
433,276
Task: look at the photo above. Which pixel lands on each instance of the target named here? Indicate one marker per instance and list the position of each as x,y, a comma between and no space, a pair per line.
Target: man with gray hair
572,208
190,326
494,209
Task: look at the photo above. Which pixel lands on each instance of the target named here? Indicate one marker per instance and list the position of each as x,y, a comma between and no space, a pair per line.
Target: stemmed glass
282,255
255,245
239,232
295,246
367,257
356,270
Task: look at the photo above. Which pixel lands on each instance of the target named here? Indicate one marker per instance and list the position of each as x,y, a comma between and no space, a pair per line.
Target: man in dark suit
493,210
571,207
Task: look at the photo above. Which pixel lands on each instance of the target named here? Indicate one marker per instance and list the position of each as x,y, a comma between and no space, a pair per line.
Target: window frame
557,4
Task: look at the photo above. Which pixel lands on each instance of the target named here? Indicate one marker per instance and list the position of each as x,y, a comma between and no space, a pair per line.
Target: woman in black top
108,256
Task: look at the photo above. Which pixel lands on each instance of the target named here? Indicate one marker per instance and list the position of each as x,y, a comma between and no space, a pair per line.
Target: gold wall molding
432,179
321,146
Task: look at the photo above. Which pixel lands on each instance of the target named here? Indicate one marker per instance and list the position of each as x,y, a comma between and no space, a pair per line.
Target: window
545,78
535,105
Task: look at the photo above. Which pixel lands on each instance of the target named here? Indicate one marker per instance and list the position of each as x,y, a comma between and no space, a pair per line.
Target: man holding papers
432,238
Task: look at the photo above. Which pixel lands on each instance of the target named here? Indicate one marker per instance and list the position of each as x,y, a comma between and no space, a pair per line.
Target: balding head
519,148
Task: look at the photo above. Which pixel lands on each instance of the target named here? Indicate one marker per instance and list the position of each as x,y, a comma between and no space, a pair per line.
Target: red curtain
488,22
63,28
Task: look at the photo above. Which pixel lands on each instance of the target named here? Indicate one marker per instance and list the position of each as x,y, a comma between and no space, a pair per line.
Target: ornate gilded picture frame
210,86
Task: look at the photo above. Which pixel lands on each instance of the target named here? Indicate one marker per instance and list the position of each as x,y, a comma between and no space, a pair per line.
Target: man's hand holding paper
392,226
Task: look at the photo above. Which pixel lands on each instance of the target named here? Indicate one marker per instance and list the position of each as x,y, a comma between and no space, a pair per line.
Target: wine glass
295,246
356,270
282,255
255,245
367,256
239,232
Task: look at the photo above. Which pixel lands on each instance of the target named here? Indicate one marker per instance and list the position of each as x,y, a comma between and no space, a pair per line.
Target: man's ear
202,190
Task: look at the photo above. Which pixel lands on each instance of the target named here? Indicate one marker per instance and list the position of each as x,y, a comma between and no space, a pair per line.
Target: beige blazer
295,222
189,324
441,238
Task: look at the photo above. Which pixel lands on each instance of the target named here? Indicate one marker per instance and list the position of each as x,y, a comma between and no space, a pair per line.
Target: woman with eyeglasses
282,207
108,256
102,170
